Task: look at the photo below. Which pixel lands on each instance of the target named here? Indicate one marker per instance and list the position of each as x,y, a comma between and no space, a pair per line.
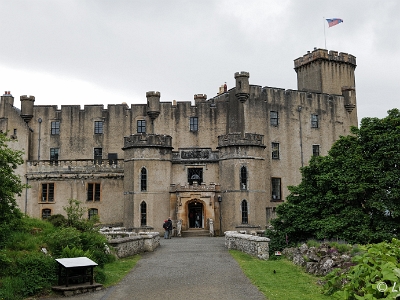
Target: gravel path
181,269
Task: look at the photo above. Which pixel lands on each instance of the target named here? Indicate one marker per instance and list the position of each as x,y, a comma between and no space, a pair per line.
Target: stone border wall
131,245
250,244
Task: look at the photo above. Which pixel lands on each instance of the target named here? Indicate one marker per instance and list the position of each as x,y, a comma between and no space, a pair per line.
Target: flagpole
323,21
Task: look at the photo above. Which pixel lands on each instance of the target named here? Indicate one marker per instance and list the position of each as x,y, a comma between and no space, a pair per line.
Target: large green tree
10,185
353,193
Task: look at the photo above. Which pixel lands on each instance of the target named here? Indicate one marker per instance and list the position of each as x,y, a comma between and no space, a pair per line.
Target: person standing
165,226
169,222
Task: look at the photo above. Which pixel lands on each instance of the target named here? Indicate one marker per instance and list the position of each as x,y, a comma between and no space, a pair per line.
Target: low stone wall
134,244
250,244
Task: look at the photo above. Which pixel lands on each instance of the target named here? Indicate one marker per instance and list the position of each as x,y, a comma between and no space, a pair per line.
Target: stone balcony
212,187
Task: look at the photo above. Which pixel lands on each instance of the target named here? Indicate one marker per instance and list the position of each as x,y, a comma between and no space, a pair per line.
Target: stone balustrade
250,244
75,166
134,244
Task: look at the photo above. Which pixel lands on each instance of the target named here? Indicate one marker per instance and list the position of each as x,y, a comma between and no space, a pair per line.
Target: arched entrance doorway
196,214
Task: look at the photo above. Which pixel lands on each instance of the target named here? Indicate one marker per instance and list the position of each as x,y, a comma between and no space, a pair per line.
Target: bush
57,220
62,238
376,269
30,274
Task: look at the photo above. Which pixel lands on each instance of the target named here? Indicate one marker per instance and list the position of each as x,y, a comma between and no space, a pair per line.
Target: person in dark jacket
165,226
169,228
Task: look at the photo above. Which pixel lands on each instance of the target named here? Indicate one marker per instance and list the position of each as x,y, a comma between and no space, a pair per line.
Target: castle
226,160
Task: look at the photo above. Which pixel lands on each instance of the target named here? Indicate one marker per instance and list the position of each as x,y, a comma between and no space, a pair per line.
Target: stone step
193,232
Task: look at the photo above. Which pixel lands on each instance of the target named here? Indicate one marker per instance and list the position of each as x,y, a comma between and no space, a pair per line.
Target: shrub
376,269
31,273
62,238
57,220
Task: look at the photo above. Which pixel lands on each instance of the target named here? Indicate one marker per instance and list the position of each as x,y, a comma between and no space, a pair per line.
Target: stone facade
228,158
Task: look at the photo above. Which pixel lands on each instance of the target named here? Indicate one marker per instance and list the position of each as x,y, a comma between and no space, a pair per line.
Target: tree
353,193
10,185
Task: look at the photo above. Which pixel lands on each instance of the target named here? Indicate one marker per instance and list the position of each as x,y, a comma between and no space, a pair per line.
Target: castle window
113,159
274,119
141,126
15,131
98,155
195,174
194,124
93,192
47,192
275,150
55,127
245,212
276,189
92,212
243,178
143,179
314,121
315,150
46,213
98,127
143,214
54,156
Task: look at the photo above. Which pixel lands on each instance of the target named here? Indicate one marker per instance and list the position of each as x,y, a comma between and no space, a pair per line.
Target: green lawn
289,281
117,270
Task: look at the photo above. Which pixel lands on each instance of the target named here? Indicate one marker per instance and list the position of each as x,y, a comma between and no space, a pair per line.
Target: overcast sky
107,52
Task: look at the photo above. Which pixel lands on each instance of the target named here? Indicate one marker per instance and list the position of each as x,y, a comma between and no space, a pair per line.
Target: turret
153,104
242,86
27,107
325,72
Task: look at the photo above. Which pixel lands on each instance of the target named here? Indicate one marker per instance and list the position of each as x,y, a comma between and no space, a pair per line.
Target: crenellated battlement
153,94
242,74
236,139
323,54
147,140
25,97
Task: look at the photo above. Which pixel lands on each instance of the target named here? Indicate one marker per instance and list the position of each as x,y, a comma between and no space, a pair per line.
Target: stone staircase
195,232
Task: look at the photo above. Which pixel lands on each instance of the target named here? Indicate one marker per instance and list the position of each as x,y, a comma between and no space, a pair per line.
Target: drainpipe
40,126
301,137
26,195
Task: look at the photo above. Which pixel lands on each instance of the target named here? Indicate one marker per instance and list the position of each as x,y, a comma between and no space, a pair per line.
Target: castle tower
331,73
242,173
27,103
147,170
325,72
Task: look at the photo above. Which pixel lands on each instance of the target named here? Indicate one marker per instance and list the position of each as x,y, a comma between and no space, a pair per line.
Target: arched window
46,213
143,214
243,178
245,212
143,179
92,212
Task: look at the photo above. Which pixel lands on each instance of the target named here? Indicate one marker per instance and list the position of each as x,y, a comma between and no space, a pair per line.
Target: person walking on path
169,228
166,228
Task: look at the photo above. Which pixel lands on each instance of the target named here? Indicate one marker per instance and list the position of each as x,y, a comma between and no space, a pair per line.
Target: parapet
153,94
236,139
242,74
147,140
323,54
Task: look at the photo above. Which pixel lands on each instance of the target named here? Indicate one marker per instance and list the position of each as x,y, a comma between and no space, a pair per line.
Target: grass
118,269
289,281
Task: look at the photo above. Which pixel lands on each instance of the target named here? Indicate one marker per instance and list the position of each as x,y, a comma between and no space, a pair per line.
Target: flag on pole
333,22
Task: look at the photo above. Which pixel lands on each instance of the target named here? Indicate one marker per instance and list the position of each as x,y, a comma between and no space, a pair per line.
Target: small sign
278,253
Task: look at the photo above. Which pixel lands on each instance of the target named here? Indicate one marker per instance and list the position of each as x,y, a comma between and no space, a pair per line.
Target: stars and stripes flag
333,22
